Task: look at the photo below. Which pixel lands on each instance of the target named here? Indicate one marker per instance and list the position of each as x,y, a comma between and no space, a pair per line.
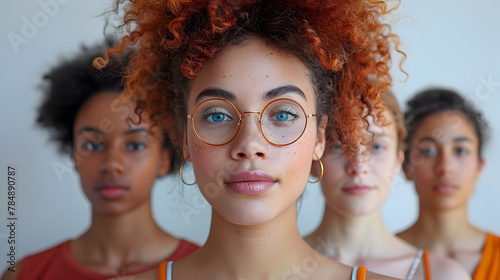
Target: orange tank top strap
427,266
358,273
162,271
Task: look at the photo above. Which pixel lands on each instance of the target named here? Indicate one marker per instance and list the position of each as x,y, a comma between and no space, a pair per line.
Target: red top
58,263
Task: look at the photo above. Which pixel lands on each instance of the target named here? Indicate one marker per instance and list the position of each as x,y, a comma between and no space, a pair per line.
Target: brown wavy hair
343,43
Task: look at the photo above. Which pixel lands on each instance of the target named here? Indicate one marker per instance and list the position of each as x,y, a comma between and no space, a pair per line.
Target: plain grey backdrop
451,43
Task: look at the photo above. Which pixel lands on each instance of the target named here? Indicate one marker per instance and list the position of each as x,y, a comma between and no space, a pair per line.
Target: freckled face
361,187
118,160
246,74
444,163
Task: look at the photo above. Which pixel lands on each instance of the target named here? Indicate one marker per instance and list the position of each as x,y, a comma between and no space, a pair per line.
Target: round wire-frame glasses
300,129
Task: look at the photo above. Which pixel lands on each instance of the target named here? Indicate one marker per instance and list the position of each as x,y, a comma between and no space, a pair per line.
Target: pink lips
357,189
112,192
445,188
253,182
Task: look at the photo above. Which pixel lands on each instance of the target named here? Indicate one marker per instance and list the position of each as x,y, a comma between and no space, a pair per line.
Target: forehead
105,112
251,69
445,126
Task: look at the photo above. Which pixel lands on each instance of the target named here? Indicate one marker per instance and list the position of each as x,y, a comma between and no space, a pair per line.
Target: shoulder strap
169,270
162,271
427,266
359,273
415,264
354,274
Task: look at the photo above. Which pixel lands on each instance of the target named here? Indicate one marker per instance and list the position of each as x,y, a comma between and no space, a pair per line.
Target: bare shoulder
147,275
10,274
445,268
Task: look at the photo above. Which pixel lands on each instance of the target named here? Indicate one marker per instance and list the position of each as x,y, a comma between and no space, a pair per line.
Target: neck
120,238
275,248
343,237
443,227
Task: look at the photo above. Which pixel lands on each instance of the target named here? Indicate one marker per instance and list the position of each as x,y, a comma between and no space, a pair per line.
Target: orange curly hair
343,43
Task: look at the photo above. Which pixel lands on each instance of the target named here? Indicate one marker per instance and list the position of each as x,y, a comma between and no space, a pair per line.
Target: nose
445,164
112,161
357,166
249,143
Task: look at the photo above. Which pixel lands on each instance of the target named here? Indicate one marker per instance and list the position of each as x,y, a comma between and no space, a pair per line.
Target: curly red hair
344,44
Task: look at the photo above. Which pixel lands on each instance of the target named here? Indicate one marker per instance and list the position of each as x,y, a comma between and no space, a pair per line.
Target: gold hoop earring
322,170
180,174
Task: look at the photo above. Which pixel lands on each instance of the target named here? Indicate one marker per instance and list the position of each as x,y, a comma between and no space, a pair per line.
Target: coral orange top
58,263
489,266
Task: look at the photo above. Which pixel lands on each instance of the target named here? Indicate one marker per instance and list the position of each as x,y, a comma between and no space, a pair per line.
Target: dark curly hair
438,100
68,85
342,43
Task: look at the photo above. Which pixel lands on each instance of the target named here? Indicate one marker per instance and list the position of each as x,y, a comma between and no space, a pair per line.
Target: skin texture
444,166
255,231
112,150
355,191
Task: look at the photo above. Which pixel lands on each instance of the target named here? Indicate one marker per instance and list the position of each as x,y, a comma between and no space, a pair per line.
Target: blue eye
218,117
336,147
462,151
136,146
428,152
378,147
282,116
93,146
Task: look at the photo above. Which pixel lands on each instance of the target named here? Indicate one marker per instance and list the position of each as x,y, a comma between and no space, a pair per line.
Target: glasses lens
283,121
216,121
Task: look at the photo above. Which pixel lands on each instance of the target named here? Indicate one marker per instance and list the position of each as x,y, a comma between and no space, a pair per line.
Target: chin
248,215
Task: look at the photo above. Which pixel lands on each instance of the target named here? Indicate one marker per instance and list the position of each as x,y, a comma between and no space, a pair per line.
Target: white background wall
452,43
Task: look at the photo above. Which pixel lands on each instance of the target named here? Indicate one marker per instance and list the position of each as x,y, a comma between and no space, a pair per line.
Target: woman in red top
118,157
248,87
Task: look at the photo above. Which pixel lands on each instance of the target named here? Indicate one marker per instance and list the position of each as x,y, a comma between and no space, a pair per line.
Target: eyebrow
216,92
95,130
136,130
90,129
284,90
456,139
279,91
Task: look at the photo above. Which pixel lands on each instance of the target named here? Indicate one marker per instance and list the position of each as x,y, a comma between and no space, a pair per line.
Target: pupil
282,116
217,117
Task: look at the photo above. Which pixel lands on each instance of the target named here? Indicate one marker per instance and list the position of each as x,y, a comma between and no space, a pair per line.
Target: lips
445,188
253,182
357,189
112,192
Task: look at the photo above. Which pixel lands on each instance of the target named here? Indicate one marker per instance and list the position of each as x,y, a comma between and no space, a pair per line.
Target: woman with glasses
247,88
355,191
444,159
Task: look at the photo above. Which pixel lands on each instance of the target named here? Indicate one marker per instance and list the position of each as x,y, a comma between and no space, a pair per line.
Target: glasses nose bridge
251,112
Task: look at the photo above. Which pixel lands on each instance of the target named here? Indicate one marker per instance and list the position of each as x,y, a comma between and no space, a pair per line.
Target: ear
482,162
399,163
319,147
165,162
